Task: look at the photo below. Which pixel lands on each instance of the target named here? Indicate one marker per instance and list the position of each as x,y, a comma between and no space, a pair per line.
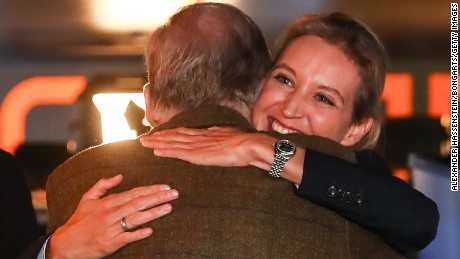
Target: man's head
208,53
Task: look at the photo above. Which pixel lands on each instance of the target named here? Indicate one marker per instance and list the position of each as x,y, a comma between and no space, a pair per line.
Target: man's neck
208,116
243,109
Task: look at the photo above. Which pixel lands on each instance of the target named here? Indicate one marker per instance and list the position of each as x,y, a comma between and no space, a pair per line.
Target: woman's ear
357,131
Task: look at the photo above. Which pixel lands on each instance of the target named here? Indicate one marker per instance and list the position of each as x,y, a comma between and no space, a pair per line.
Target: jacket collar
206,117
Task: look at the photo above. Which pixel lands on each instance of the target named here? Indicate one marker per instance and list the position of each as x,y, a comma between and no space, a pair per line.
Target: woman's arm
402,216
222,147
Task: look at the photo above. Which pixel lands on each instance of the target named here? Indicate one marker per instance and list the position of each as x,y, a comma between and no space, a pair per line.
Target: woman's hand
213,147
222,147
95,231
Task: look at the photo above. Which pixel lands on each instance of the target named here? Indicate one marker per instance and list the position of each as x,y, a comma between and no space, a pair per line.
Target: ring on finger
124,226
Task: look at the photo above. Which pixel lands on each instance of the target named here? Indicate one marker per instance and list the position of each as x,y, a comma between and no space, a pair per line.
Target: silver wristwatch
284,150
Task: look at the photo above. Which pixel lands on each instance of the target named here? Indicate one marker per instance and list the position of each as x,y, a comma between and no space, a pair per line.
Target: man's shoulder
99,158
67,184
124,148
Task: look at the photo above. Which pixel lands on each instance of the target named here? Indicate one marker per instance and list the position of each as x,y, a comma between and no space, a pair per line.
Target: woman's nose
293,106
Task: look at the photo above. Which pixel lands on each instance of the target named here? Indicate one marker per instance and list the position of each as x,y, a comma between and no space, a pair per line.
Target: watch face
285,146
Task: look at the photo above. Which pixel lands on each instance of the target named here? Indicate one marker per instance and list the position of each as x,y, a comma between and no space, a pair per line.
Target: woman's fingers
141,217
199,138
128,196
146,208
185,131
144,202
179,138
225,130
188,135
135,220
121,240
190,155
105,184
101,187
189,143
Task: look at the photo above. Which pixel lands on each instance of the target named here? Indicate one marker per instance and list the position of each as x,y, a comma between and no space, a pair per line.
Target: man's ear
155,112
148,104
357,131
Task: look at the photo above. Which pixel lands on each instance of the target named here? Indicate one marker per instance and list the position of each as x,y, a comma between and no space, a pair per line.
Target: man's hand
94,230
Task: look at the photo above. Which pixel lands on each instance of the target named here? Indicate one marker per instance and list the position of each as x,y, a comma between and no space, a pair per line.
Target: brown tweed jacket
221,212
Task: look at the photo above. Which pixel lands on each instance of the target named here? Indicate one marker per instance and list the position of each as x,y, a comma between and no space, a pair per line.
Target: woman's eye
324,99
284,80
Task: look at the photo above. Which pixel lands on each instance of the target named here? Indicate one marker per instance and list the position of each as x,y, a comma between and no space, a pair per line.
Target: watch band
277,165
284,150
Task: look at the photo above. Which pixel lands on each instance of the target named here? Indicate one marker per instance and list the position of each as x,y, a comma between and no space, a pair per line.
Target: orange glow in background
28,94
398,95
438,94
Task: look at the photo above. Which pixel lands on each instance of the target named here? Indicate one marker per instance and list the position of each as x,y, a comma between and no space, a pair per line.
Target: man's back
221,212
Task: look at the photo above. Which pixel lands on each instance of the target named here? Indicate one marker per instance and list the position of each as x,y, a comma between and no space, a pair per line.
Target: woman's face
311,90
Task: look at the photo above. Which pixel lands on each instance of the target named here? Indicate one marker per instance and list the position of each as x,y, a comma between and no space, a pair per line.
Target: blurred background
71,69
